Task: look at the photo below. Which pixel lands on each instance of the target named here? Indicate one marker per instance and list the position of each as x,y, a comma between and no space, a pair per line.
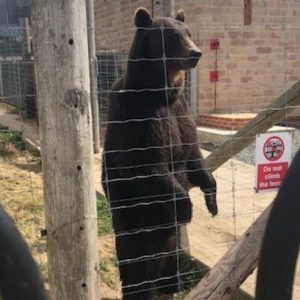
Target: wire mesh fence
234,81
17,71
250,68
21,190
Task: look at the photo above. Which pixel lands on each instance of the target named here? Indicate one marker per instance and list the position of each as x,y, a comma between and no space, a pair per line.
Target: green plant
13,137
190,276
43,267
105,274
104,217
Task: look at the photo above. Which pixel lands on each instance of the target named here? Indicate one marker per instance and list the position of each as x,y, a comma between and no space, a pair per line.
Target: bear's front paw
211,200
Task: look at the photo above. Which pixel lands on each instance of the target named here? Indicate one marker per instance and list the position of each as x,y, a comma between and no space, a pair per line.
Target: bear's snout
192,58
196,53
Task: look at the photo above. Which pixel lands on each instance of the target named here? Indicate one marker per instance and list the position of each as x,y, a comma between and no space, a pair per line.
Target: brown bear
151,156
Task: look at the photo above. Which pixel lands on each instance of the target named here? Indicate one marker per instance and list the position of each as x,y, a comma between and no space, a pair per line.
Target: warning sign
273,148
273,156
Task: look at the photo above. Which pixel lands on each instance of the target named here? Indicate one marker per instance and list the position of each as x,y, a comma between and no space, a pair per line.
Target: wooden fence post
27,72
93,74
25,33
63,91
167,8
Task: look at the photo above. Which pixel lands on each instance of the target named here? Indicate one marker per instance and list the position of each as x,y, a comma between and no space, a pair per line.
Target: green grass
12,141
43,268
105,275
103,211
104,217
191,275
108,260
12,137
107,263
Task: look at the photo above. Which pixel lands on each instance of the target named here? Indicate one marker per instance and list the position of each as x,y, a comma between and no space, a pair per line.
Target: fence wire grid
251,67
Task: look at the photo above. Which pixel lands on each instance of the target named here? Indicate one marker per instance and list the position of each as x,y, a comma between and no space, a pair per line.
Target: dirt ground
210,238
21,194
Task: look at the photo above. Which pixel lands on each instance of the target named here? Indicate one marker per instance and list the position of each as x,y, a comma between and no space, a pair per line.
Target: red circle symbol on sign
273,148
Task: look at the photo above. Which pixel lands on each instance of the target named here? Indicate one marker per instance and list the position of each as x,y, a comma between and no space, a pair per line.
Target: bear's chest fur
153,126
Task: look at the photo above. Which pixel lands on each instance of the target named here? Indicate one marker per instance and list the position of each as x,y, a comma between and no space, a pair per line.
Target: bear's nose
196,53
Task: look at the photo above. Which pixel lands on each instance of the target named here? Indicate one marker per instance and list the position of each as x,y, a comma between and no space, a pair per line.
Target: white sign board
272,157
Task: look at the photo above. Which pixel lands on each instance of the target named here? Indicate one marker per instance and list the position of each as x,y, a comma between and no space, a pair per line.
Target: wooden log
221,282
93,74
25,33
275,112
167,8
63,90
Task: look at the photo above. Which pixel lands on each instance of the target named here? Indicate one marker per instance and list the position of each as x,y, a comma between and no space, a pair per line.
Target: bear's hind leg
149,264
133,268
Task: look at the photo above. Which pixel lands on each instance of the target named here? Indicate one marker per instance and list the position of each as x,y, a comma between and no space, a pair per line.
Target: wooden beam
63,91
222,281
275,112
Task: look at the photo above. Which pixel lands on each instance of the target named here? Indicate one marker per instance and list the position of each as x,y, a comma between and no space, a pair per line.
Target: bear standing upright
151,156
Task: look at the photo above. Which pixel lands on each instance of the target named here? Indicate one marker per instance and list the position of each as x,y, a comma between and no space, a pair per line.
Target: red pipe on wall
214,74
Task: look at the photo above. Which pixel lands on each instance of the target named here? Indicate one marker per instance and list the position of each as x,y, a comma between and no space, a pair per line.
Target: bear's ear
180,15
142,18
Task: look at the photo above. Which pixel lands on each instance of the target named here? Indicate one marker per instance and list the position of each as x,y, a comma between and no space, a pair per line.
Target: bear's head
166,38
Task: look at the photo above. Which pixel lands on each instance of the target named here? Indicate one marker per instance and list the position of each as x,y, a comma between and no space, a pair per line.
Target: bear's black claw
211,201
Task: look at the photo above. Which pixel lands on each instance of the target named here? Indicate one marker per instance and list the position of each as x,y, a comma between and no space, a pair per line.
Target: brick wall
114,24
256,62
225,121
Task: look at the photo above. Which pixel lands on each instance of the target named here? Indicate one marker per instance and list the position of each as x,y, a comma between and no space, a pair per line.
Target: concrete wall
256,62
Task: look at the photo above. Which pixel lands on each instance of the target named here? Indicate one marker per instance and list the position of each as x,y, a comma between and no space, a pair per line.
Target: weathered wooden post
25,33
27,71
63,91
167,8
93,74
